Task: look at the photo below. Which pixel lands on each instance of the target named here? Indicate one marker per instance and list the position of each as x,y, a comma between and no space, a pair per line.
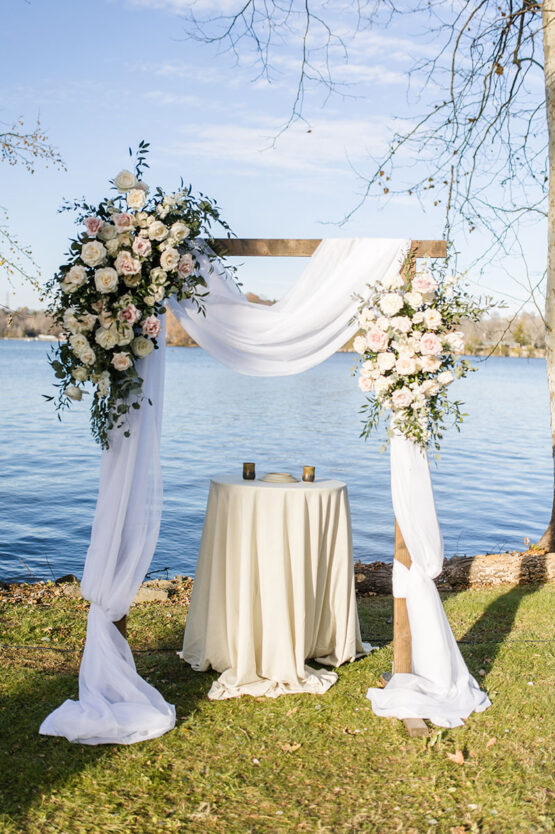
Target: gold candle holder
248,472
308,473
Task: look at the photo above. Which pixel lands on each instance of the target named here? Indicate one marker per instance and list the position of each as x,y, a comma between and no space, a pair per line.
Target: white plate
279,478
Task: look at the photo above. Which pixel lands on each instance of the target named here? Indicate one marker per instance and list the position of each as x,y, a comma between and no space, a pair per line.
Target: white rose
382,323
386,361
158,275
87,356
121,361
87,321
73,392
432,319
169,259
456,340
125,181
132,280
141,346
180,231
70,321
106,279
126,334
106,337
141,219
391,303
78,343
136,198
157,230
366,317
80,373
402,323
103,387
75,278
445,378
393,282
414,299
93,253
418,318
107,232
149,300
429,388
402,398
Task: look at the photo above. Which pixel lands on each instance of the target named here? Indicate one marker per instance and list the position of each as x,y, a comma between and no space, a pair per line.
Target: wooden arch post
295,247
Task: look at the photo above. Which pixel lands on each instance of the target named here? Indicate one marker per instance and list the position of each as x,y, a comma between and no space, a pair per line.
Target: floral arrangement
408,346
134,251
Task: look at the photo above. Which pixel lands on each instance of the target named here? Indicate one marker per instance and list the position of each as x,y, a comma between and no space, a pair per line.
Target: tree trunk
548,20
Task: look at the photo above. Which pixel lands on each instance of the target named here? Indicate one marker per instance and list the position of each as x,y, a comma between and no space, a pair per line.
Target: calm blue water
493,484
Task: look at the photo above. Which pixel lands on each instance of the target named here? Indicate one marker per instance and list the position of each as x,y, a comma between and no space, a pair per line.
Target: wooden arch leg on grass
402,647
121,626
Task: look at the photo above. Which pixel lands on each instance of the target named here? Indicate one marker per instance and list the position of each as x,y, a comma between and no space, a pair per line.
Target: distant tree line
523,335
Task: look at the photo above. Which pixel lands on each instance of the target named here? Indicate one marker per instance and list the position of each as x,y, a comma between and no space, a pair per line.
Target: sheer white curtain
309,324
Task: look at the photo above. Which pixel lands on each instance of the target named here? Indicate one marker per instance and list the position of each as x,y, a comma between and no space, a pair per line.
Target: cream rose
445,378
78,343
126,264
429,388
157,230
75,278
402,323
381,385
179,231
93,253
359,345
126,334
376,340
136,198
132,280
430,364
141,346
414,299
456,340
106,337
158,275
386,361
382,323
430,344
106,279
432,319
391,303
80,373
87,356
73,392
405,366
365,384
125,181
393,282
70,321
113,247
169,259
366,317
107,232
121,361
87,321
402,397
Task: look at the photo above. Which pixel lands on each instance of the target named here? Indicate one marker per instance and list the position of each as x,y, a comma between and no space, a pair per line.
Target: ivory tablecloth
274,586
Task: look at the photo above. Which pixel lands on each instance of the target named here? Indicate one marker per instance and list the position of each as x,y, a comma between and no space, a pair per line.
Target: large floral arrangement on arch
134,250
409,346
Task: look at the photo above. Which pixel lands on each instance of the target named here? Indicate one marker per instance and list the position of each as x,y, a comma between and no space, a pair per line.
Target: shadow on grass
495,624
35,767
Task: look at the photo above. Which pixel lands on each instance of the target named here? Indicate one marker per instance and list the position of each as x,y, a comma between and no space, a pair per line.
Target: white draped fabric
309,324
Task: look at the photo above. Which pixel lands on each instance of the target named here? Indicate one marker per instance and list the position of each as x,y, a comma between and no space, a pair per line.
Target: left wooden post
121,626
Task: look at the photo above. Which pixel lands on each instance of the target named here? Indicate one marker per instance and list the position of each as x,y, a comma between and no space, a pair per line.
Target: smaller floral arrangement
408,346
133,252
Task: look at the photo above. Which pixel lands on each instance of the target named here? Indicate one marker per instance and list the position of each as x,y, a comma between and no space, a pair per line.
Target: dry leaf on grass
491,742
457,757
289,748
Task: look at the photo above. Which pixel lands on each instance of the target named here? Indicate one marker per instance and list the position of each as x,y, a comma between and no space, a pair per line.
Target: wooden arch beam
304,247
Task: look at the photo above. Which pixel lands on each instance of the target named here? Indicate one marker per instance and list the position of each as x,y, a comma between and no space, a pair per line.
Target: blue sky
104,75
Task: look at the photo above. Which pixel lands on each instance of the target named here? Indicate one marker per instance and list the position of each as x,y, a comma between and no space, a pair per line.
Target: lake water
493,485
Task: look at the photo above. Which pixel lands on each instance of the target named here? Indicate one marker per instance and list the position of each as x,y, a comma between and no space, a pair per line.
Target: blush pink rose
129,314
424,283
151,326
93,225
142,247
185,266
126,264
377,340
123,222
430,344
365,384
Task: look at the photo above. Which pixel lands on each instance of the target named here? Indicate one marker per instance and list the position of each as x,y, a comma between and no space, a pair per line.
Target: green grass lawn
296,763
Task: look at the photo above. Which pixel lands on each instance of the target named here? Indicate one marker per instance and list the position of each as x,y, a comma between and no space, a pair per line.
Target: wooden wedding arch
305,247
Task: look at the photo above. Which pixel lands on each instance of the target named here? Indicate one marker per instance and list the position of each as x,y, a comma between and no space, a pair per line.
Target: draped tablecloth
274,586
